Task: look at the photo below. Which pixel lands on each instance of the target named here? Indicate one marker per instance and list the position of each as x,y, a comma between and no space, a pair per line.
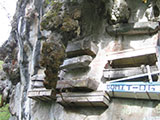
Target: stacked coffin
81,91
80,54
134,90
73,92
129,67
38,91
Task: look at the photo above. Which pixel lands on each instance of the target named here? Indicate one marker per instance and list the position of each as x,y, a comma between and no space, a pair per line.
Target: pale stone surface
137,42
14,102
13,118
118,109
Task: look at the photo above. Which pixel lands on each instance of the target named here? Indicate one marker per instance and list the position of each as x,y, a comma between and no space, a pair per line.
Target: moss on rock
62,20
52,56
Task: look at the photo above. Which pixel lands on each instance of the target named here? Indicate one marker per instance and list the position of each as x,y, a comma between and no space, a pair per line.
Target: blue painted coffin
135,90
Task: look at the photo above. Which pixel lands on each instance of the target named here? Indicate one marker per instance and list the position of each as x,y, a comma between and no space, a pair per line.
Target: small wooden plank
40,89
85,94
44,95
82,99
76,85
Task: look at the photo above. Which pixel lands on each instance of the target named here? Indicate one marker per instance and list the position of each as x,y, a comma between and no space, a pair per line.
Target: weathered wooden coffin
37,81
147,76
77,85
76,62
81,47
37,84
116,73
42,94
133,28
92,99
133,58
86,84
134,90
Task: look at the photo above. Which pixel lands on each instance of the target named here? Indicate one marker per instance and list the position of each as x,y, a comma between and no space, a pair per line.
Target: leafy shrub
4,112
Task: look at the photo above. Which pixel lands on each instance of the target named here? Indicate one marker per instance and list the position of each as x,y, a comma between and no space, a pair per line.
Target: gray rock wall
75,21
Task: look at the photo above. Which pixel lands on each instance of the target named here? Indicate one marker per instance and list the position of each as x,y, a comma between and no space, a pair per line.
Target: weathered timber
92,99
115,73
37,81
136,76
77,62
77,85
133,58
138,95
42,94
81,47
133,28
37,84
134,90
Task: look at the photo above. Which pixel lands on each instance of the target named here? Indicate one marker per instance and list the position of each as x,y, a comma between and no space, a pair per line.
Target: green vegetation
1,62
4,112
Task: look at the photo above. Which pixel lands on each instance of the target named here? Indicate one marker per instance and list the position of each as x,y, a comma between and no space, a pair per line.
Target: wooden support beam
149,73
92,99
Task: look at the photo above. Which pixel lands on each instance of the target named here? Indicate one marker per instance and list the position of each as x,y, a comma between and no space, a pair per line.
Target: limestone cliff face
42,32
